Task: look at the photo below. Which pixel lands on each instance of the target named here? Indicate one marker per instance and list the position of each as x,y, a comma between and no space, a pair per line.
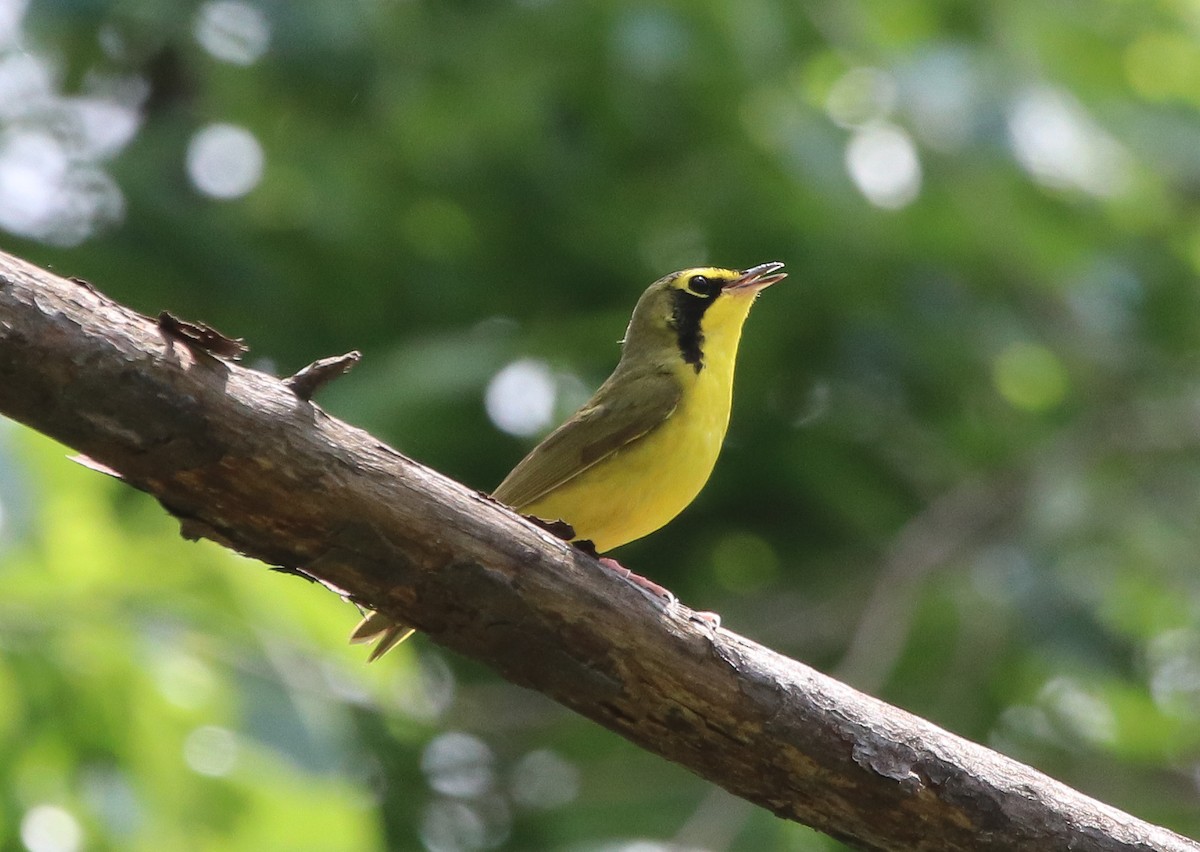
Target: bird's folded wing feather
608,422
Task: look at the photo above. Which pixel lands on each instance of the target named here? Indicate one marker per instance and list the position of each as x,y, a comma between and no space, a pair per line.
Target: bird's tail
376,625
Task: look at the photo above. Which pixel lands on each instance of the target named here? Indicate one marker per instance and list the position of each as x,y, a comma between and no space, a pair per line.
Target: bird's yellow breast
640,487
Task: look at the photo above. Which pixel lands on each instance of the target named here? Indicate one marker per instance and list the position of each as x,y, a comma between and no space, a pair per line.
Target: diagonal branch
241,459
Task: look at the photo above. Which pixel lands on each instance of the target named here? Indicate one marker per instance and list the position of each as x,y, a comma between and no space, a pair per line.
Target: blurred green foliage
964,466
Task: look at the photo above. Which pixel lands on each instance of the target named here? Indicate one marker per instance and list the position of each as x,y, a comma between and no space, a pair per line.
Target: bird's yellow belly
645,484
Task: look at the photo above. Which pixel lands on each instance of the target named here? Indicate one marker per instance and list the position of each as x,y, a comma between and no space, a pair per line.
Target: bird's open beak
758,277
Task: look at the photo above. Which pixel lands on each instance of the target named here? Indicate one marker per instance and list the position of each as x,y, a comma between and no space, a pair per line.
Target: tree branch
241,459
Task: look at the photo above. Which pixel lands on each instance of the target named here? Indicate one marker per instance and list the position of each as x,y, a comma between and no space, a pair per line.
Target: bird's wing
609,421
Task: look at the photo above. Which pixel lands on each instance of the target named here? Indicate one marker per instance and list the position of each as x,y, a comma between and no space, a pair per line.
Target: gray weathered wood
242,460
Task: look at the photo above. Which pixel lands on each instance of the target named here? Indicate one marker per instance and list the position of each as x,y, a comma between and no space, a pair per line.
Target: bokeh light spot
183,680
1078,712
12,12
211,750
744,562
105,126
520,398
224,161
1030,376
233,32
33,166
882,161
26,83
49,828
542,780
1174,660
1057,142
458,764
448,826
49,195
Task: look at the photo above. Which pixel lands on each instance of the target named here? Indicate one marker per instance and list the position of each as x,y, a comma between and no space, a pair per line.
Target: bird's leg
649,588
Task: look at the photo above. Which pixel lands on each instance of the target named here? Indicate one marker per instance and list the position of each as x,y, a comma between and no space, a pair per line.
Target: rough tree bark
239,458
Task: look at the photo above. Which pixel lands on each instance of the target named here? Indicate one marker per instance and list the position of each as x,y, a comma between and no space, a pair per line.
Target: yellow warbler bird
639,451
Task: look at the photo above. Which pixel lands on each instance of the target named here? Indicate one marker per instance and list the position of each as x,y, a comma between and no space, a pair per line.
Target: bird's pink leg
649,588
661,596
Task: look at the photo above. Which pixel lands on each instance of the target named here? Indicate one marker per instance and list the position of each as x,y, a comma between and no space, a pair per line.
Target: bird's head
685,313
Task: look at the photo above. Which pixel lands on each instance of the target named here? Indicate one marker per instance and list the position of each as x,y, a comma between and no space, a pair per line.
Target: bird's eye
702,286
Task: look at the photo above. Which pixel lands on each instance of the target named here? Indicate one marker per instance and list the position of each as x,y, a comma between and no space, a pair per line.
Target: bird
639,451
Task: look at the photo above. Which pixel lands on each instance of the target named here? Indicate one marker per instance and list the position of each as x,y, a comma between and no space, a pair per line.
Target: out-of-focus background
963,471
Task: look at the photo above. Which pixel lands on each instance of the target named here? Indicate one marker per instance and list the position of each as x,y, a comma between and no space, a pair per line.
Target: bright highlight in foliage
1030,376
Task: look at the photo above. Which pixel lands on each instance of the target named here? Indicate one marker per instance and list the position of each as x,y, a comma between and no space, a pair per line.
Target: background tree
963,468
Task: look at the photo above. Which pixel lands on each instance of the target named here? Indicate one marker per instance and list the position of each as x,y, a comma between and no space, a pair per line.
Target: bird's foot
649,588
711,620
